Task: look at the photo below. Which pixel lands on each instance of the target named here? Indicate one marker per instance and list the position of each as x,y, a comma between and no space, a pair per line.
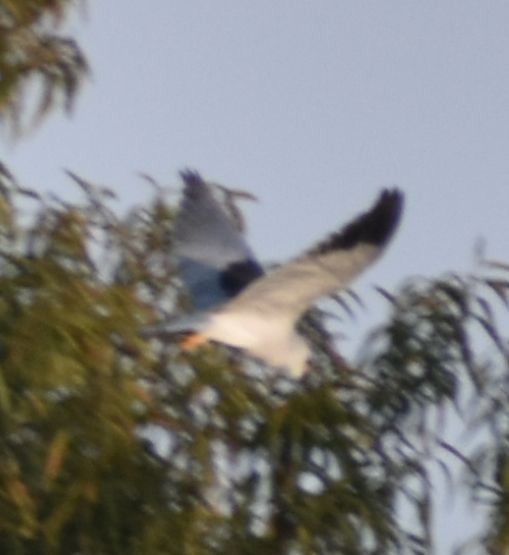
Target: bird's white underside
272,339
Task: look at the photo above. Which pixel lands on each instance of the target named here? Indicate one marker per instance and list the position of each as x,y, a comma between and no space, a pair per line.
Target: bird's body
269,338
257,312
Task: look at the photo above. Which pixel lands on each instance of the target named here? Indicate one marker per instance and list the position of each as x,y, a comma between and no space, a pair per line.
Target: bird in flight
240,305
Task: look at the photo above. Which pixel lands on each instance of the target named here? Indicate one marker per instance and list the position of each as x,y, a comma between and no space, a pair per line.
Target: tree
34,53
251,464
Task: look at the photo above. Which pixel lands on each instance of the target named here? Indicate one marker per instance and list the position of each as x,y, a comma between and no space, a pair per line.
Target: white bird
240,305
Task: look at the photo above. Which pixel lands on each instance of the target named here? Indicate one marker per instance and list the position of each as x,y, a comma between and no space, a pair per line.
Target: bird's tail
175,327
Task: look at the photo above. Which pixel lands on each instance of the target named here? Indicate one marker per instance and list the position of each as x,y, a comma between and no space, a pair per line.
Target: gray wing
214,260
289,290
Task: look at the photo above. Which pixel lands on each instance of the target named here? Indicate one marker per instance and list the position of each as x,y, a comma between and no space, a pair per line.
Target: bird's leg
192,341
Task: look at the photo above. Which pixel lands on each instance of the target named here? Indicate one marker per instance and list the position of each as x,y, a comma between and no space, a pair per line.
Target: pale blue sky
312,106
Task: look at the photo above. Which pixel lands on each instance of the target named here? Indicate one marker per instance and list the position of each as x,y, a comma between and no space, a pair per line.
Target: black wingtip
382,220
374,227
191,177
194,185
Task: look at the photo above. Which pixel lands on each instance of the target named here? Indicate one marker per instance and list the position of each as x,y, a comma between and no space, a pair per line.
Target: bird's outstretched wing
215,261
288,291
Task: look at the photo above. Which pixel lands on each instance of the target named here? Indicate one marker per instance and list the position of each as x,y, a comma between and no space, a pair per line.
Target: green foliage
489,413
35,60
446,335
110,444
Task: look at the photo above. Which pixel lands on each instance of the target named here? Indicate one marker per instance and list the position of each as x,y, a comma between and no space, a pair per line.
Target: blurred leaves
450,338
38,65
111,444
